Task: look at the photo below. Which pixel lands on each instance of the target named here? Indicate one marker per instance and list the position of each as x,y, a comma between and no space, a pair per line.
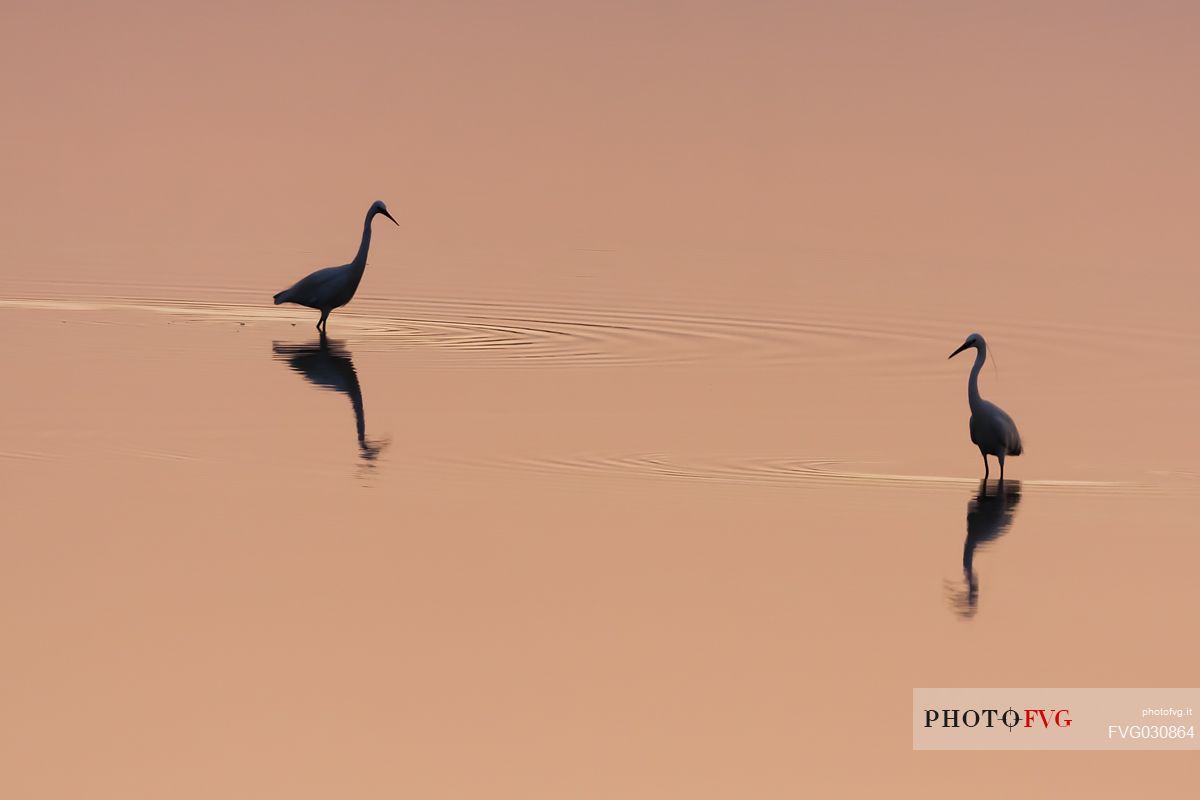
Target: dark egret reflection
328,364
989,516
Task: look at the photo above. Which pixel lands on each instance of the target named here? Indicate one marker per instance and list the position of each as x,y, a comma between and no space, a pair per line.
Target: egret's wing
1012,437
313,290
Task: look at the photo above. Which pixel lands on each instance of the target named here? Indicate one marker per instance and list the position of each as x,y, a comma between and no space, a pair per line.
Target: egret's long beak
389,216
959,350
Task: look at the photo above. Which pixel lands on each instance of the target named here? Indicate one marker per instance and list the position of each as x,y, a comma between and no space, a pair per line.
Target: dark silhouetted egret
332,287
992,431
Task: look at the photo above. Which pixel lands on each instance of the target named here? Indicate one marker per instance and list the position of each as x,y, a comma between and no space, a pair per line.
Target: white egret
992,431
332,287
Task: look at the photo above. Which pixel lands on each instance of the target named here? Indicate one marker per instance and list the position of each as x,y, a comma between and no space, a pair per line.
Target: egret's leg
321,322
1000,458
985,464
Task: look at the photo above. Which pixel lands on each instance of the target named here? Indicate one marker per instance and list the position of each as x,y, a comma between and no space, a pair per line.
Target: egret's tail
282,297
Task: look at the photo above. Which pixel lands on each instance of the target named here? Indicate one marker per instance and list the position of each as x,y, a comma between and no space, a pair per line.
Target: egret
992,431
332,287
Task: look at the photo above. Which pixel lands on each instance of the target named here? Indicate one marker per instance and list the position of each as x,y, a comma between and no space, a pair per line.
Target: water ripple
496,334
472,333
789,471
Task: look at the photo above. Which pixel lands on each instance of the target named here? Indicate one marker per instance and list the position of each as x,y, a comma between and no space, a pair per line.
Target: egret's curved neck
360,259
973,382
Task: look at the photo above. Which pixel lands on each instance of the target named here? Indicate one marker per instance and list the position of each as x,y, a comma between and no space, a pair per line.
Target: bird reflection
327,363
989,516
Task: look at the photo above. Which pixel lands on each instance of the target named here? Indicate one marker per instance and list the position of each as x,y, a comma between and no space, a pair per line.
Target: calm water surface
697,544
